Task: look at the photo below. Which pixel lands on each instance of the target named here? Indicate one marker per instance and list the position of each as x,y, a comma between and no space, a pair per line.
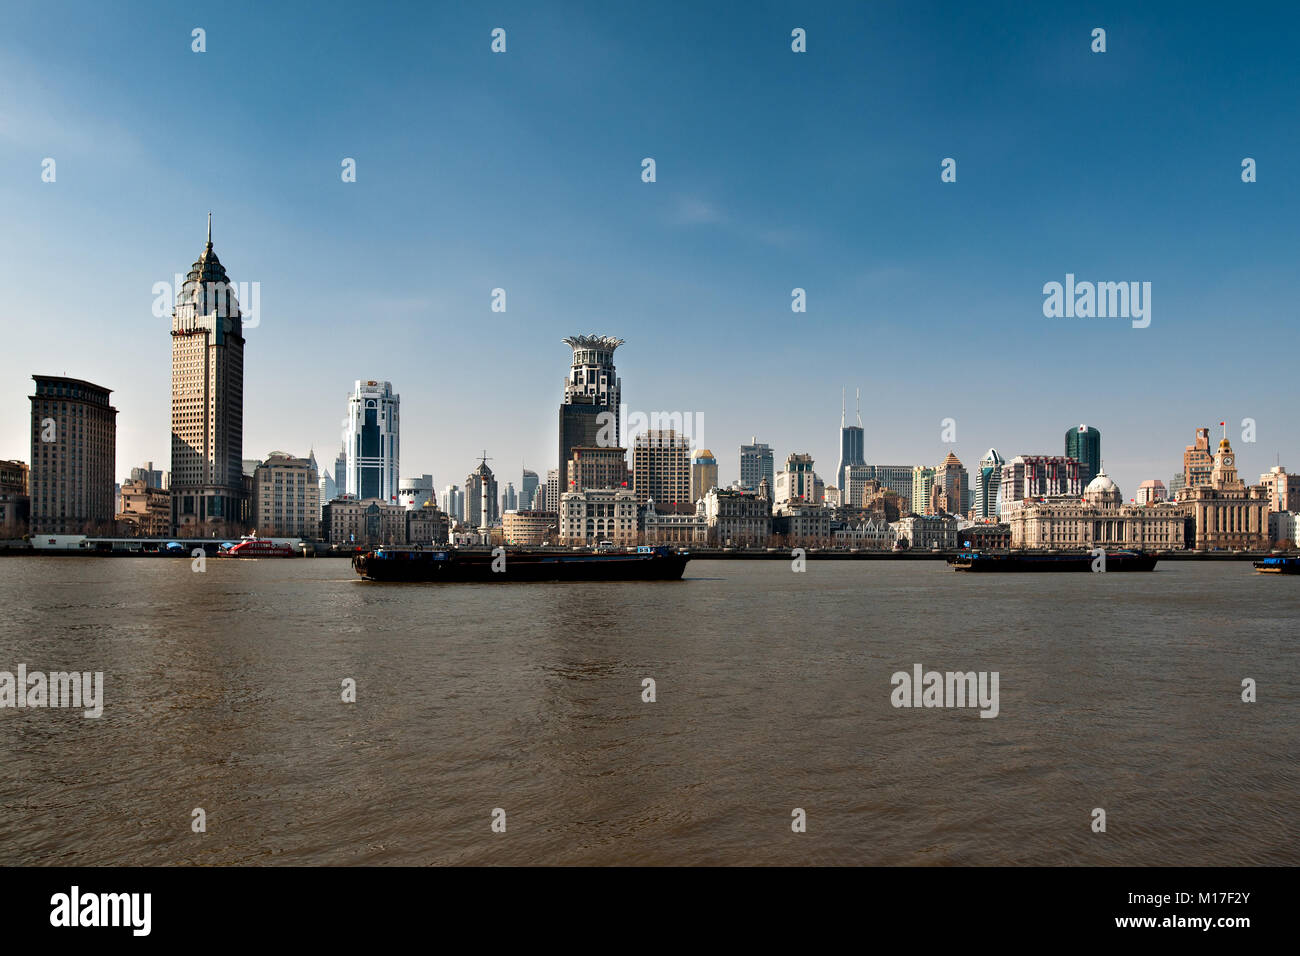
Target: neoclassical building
1099,520
598,514
1227,513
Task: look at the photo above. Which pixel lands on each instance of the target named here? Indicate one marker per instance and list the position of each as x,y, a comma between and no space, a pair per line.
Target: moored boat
1277,564
503,565
1051,561
251,546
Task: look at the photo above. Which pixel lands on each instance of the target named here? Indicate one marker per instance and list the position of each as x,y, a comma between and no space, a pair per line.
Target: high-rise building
453,503
595,467
1283,490
1083,444
340,473
552,491
987,481
1037,476
951,487
207,404
850,442
74,449
661,470
509,500
756,464
796,485
371,440
857,485
896,478
922,488
327,488
1197,460
527,488
286,497
704,473
151,476
589,414
413,493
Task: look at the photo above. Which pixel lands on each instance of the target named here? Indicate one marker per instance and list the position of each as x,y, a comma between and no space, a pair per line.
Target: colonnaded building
1228,514
1099,520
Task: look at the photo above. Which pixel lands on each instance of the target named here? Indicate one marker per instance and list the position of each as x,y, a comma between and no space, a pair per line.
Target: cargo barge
508,565
1046,561
1278,565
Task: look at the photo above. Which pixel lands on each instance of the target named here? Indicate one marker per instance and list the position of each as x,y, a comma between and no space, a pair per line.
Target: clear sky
775,170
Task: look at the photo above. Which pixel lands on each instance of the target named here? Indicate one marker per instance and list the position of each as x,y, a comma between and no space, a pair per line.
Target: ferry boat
1278,565
1049,561
450,565
251,546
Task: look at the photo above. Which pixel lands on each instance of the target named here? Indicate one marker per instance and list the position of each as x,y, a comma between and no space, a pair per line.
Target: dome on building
1103,490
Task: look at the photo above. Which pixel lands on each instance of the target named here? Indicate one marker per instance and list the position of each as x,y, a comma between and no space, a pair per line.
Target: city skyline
927,295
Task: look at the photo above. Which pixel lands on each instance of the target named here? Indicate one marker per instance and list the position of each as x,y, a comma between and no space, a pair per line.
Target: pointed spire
842,391
858,404
209,229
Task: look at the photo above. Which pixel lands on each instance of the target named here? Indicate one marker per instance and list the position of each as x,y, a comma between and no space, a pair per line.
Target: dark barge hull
461,567
1278,565
1026,561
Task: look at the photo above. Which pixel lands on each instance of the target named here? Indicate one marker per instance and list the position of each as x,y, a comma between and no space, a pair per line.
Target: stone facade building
669,528
1227,514
596,515
740,519
1099,520
926,532
368,523
74,457
145,512
530,528
286,498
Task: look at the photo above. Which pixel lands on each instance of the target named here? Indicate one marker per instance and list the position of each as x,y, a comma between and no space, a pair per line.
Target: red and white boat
251,546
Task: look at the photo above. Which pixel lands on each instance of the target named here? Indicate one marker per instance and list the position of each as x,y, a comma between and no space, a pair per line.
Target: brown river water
222,691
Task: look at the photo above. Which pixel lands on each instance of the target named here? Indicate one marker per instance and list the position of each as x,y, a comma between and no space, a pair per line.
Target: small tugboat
1049,561
1277,564
251,546
451,565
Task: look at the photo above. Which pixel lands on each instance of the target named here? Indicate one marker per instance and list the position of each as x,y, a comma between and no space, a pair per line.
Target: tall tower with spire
207,483
850,440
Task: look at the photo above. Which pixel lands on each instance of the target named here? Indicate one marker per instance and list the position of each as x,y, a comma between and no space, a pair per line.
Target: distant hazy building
286,502
509,499
1284,528
328,489
1150,492
851,443
704,473
796,485
857,484
151,476
453,503
371,439
527,489
661,469
987,481
209,494
589,412
922,487
552,502
596,515
1083,444
426,526
756,464
74,449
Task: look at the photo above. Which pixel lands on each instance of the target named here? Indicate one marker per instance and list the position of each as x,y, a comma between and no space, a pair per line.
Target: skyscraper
951,487
589,414
527,488
704,473
207,402
850,442
987,480
74,457
922,486
756,464
371,441
1083,444
661,470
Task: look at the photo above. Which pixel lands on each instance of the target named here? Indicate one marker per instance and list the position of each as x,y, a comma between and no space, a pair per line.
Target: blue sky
775,170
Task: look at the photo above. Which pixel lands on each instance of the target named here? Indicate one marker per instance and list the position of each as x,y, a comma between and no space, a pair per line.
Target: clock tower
1224,473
